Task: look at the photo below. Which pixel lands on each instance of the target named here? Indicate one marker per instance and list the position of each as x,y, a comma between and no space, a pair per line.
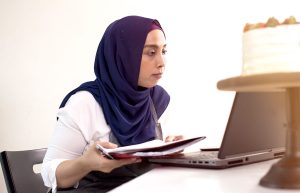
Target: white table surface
241,179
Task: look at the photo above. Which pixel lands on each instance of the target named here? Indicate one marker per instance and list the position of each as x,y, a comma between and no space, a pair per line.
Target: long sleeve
80,123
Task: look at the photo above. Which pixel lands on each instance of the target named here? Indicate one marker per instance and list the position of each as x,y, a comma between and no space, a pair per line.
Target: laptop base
191,160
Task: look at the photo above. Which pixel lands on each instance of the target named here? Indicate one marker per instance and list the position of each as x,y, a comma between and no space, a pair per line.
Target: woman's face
153,59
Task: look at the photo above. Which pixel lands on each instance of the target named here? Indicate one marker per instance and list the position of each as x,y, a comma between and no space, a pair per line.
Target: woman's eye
151,52
164,52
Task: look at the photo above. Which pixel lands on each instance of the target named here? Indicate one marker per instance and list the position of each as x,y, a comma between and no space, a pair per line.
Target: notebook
255,131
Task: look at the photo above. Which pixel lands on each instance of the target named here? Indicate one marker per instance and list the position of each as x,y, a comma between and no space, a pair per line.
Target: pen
103,152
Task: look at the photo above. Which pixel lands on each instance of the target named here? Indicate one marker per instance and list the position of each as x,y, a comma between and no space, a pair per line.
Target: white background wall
47,47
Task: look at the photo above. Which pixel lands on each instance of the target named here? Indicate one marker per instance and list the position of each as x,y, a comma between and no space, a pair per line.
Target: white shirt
80,123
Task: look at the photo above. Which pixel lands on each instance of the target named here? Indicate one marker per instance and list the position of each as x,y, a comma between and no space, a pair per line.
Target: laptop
255,131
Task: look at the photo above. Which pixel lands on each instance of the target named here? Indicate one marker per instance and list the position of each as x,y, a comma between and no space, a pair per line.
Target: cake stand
286,172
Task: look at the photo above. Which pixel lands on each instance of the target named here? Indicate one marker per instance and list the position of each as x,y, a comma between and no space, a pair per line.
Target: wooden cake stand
286,172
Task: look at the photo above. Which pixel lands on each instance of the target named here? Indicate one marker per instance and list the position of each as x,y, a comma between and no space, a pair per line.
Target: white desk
241,179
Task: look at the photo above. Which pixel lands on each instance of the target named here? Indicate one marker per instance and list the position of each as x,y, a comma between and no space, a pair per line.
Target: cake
271,47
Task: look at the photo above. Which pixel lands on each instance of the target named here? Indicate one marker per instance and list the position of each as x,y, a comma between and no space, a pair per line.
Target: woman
119,108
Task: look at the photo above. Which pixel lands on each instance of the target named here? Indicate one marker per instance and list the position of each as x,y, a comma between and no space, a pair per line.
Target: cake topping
272,22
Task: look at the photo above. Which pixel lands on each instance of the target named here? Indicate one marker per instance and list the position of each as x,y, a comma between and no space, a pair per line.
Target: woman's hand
173,138
69,172
97,162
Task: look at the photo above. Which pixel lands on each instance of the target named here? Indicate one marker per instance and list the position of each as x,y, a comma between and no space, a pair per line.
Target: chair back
17,167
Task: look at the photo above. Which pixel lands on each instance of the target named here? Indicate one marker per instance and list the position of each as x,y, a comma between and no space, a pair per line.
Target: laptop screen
257,122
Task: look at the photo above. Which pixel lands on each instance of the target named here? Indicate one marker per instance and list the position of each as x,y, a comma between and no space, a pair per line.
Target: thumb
107,144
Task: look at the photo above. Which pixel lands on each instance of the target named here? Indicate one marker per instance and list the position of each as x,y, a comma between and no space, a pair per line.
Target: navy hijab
125,105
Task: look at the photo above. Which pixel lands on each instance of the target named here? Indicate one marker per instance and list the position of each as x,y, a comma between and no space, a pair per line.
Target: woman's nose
161,61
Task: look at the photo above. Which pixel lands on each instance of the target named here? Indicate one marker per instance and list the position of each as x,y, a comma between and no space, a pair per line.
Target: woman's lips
158,75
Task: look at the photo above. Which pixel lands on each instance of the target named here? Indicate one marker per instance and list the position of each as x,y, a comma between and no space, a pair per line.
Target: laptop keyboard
201,155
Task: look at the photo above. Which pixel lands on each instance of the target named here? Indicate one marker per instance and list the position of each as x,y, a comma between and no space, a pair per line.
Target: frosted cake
271,47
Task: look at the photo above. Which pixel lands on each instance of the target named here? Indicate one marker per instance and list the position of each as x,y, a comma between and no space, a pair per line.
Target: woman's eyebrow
154,46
